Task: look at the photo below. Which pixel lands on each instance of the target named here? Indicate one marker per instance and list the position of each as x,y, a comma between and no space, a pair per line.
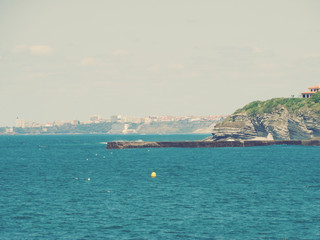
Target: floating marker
153,174
89,179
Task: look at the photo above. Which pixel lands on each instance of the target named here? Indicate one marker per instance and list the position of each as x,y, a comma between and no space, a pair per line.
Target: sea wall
208,144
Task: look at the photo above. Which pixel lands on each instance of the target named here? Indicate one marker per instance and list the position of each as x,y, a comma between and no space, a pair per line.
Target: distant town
117,124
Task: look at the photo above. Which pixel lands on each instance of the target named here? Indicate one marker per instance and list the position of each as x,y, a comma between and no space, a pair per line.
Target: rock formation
286,119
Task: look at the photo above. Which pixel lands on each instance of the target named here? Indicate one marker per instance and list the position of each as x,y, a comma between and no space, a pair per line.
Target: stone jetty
209,144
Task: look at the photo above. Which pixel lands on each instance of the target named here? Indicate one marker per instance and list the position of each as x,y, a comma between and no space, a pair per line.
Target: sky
65,60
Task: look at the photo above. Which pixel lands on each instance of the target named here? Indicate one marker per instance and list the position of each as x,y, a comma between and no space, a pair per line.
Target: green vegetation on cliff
291,104
257,108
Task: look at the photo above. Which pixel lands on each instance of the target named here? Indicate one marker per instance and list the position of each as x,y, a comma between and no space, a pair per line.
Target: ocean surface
71,187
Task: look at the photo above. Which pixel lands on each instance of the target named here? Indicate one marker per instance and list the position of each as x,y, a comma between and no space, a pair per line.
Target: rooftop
315,87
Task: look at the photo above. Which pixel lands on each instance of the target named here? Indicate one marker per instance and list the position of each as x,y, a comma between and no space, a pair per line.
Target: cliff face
281,123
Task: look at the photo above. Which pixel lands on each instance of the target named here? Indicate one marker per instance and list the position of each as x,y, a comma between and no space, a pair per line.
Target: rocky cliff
275,119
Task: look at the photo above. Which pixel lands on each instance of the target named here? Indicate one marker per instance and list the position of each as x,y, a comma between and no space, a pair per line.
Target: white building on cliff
312,90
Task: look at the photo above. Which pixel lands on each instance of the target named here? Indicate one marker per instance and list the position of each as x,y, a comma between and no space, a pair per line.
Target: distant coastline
185,126
120,134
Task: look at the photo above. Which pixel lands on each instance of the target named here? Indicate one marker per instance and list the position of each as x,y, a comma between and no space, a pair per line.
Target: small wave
113,227
103,142
121,140
24,217
312,186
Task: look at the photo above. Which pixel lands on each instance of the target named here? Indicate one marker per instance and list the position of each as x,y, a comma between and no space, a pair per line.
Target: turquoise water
71,187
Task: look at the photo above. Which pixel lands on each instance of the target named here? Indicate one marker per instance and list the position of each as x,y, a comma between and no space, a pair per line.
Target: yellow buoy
153,174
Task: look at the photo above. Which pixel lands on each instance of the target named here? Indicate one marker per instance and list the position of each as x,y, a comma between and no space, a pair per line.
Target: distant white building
20,123
48,124
57,123
95,118
27,124
131,119
9,130
114,118
36,125
75,122
147,120
126,130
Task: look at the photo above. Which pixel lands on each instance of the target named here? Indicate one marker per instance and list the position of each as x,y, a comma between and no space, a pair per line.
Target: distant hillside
278,119
165,127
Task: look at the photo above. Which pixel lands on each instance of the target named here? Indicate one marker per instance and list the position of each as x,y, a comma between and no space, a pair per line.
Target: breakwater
208,144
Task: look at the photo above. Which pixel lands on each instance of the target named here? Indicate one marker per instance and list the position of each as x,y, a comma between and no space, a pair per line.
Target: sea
72,187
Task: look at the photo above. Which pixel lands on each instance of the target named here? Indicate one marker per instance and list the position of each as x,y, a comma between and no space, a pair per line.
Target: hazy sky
64,60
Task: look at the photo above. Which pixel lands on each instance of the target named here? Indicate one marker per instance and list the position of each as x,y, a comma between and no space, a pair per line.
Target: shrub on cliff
315,98
291,104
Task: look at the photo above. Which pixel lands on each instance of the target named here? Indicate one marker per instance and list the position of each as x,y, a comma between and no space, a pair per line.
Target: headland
274,119
278,121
